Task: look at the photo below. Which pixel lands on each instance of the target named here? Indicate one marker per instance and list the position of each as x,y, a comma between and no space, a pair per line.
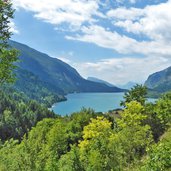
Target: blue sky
118,41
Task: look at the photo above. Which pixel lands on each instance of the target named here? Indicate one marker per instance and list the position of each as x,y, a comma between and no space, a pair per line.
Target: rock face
160,81
56,73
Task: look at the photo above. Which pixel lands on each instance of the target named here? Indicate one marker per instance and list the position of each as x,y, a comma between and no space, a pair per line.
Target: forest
136,139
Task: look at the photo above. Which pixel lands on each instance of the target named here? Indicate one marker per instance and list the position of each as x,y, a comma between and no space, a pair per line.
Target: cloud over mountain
137,32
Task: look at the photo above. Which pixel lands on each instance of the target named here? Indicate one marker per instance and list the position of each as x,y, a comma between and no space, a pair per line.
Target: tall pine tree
7,55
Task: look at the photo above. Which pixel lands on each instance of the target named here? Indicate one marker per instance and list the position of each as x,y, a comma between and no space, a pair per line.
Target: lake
100,102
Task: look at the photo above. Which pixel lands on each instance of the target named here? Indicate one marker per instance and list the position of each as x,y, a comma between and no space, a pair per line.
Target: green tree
70,161
7,55
158,155
9,155
153,120
163,111
131,138
94,146
137,93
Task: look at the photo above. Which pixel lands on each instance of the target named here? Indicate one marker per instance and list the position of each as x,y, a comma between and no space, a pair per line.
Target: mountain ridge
159,82
94,79
56,72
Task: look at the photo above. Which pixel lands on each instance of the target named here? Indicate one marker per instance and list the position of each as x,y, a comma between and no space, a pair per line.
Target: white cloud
122,70
104,38
120,43
64,59
123,1
72,12
123,13
13,28
152,21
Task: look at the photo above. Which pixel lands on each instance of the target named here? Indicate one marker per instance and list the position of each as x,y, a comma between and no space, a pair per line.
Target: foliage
153,121
9,155
163,110
35,89
137,93
159,157
76,123
70,161
159,115
87,140
7,55
132,137
18,114
93,148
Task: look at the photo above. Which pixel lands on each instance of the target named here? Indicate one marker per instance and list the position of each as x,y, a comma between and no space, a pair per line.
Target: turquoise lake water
100,102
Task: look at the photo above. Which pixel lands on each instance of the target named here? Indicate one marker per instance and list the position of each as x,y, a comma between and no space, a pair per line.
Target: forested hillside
55,73
35,89
18,114
159,82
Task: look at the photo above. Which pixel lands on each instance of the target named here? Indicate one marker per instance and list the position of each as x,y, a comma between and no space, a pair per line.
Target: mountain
56,73
128,85
34,88
160,82
97,80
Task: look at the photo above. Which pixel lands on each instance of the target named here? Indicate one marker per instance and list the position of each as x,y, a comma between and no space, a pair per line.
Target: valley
89,87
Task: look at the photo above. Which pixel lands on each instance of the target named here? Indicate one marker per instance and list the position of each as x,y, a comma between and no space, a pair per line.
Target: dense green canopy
87,140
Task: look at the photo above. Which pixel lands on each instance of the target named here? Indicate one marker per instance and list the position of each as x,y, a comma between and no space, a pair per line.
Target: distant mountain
97,80
128,85
160,82
54,72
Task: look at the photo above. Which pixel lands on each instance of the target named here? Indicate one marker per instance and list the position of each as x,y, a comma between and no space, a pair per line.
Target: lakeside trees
18,114
91,141
137,93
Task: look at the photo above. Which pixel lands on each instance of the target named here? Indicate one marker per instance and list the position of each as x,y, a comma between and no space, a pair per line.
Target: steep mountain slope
97,80
160,81
34,88
56,73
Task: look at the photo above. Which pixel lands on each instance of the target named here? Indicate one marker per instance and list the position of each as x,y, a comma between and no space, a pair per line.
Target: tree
94,146
131,138
158,155
7,55
163,111
137,93
70,161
